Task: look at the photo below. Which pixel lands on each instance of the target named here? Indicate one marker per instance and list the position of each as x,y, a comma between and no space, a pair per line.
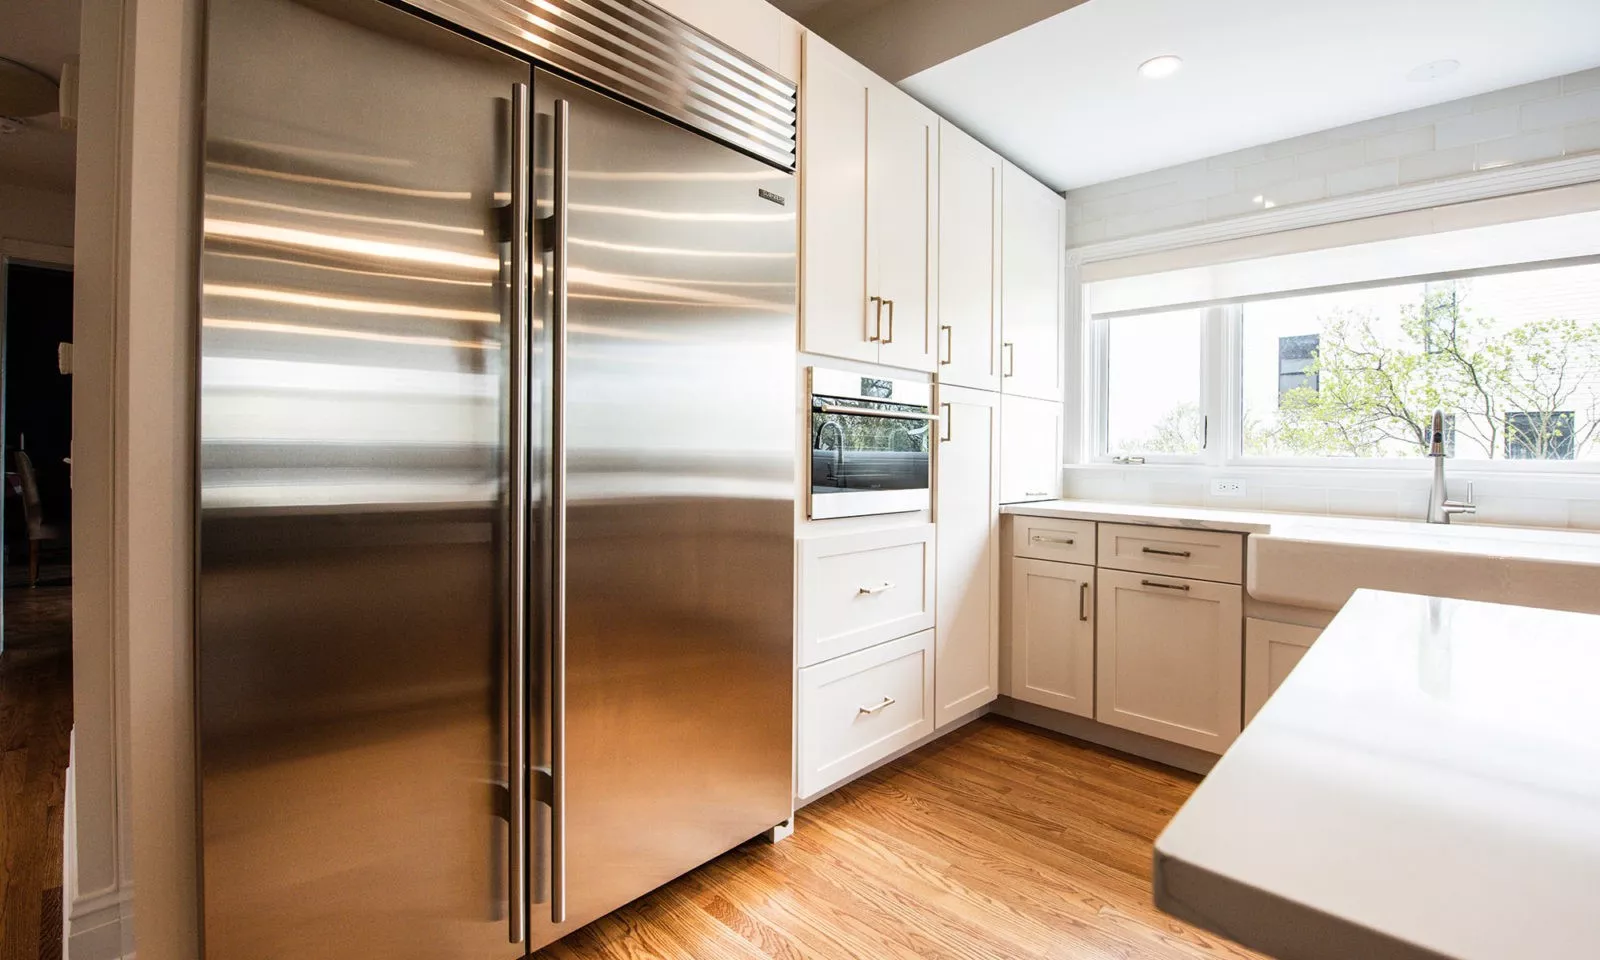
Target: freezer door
353,698
670,369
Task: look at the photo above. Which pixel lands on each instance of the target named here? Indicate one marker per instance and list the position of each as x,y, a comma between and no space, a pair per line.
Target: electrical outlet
1227,488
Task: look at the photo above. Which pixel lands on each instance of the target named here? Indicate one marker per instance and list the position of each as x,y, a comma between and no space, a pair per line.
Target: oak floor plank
998,841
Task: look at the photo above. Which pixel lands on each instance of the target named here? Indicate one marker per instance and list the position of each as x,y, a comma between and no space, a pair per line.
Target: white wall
1520,125
35,216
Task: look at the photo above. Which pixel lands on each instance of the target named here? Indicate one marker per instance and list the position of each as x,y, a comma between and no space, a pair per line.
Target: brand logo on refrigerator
769,195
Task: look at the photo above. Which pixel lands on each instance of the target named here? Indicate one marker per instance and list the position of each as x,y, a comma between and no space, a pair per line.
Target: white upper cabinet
1030,449
1032,318
967,515
833,203
868,163
968,343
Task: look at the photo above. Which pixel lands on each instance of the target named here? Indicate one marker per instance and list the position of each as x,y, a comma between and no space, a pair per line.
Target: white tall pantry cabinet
967,518
868,156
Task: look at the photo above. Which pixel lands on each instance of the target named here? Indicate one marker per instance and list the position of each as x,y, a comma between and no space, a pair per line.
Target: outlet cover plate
1227,488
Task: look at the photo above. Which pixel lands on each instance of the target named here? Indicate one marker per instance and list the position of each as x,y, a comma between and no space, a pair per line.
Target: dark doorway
36,413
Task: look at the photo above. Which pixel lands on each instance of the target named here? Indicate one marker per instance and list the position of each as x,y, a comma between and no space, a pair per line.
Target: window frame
1222,387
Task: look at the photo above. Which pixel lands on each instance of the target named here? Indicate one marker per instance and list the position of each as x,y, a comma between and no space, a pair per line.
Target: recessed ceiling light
1163,66
1433,70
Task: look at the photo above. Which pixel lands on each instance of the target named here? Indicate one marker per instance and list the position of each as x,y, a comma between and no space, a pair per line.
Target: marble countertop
1426,783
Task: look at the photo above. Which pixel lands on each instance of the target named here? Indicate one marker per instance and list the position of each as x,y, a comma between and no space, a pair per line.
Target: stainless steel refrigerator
496,482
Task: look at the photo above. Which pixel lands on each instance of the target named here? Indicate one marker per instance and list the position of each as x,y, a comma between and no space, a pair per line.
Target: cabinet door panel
1052,634
1033,247
834,319
1170,658
1271,650
967,668
1030,449
901,194
968,278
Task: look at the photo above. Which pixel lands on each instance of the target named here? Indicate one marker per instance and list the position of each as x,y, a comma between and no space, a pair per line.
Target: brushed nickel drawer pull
1041,538
1083,600
869,591
1165,586
869,711
1168,553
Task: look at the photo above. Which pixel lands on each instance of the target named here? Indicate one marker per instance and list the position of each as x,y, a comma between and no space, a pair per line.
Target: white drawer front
856,710
1171,552
1046,538
864,588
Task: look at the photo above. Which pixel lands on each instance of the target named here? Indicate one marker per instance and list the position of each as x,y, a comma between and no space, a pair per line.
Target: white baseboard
100,927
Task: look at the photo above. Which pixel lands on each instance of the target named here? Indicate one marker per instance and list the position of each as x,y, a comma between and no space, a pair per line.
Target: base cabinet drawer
1049,538
1271,650
860,708
859,589
1173,552
1169,658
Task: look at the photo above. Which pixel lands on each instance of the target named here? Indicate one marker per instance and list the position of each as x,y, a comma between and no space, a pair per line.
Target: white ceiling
41,34
1064,99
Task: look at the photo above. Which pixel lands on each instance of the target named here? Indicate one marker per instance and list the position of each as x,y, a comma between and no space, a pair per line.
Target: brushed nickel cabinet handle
890,337
1083,600
877,708
1165,586
1167,553
949,344
1011,358
1041,538
949,425
877,319
870,591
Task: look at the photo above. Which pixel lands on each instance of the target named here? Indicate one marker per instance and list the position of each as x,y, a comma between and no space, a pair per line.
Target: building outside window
1296,363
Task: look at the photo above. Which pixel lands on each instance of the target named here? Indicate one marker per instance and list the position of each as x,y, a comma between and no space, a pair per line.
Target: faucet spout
1440,507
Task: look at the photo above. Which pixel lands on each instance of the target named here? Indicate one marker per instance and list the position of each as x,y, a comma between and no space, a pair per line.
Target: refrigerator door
670,373
352,671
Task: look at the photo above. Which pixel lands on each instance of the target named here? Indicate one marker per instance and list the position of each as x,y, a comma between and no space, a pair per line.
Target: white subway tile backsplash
1356,502
1339,157
1581,138
1582,80
1476,127
1294,499
1572,108
1238,158
1523,93
1439,163
1527,147
1404,143
1584,514
1373,176
1522,511
1264,174
1523,124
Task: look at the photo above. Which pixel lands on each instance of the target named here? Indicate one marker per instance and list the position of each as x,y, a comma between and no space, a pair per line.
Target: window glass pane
1512,359
1153,384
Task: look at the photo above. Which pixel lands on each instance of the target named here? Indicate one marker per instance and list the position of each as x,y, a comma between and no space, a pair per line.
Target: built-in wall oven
870,443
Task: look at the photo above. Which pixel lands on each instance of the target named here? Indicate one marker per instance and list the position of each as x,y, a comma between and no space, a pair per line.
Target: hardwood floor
35,720
997,841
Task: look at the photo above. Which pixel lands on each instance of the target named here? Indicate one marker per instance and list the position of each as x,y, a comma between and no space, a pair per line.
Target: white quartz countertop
1194,518
1426,783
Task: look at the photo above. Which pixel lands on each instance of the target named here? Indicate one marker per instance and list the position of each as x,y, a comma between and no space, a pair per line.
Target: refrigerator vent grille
648,56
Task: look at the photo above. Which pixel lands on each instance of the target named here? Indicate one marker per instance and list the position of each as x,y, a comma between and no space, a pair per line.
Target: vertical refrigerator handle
517,622
558,521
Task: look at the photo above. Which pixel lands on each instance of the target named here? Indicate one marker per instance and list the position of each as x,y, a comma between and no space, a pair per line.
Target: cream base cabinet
1170,658
967,515
1033,287
1030,449
868,200
1271,650
969,261
1052,634
857,709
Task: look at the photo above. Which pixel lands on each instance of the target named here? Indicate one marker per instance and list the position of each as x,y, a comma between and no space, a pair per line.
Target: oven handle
866,412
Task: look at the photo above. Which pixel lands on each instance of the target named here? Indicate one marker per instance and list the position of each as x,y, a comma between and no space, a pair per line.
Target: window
1342,354
1153,385
1512,358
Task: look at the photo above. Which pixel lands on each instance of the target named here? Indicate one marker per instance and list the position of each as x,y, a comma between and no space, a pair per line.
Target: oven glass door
883,449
